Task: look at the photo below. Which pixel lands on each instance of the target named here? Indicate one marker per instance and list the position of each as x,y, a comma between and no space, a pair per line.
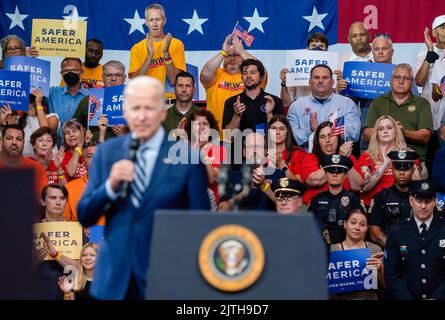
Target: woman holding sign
386,137
356,226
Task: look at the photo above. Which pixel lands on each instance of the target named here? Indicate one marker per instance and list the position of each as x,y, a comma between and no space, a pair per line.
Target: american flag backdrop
276,25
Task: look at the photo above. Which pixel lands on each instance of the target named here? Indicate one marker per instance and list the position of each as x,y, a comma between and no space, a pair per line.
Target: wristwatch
284,169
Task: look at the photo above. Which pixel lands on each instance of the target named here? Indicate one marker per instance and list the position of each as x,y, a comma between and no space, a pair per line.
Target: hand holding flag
243,34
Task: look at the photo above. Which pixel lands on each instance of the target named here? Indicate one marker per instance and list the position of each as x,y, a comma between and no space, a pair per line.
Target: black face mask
317,49
71,78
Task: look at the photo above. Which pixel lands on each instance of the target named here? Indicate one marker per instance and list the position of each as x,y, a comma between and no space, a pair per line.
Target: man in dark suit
154,182
415,249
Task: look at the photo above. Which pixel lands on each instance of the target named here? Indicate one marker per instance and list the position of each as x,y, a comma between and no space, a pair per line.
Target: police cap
336,163
403,160
288,187
423,189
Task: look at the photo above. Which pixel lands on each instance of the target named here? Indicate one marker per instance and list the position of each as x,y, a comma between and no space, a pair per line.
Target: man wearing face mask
92,69
64,100
316,41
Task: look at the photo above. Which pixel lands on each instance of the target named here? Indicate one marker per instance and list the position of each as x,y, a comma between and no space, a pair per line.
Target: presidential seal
231,258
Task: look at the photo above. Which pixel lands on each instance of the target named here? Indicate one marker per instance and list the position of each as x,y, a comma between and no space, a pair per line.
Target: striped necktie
139,183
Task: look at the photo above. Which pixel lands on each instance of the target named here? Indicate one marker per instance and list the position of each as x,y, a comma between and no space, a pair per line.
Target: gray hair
155,6
403,66
144,82
114,63
383,37
5,40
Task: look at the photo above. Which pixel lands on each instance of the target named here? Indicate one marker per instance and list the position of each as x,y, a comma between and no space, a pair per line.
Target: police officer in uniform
392,205
330,207
288,195
415,249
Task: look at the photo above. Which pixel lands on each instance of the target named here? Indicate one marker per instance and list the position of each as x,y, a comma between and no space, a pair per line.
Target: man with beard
222,83
184,91
252,108
306,113
12,156
331,207
391,205
358,36
92,69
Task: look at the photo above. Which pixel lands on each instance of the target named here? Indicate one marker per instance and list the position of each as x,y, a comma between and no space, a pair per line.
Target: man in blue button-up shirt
64,100
307,112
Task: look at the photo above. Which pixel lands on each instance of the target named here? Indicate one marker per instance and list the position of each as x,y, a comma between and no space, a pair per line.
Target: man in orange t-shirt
223,83
77,186
158,55
92,69
12,156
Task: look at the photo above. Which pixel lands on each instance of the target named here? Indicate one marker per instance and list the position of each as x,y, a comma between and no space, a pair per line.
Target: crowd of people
373,186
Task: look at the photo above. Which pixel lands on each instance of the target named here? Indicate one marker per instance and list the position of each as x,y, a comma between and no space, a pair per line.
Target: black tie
423,232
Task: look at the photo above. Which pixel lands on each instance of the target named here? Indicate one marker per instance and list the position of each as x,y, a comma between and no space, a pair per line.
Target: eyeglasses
91,144
383,35
77,70
115,75
13,49
286,199
399,77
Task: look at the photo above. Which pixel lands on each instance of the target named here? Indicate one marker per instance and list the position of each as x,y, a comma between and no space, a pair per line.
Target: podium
18,205
249,255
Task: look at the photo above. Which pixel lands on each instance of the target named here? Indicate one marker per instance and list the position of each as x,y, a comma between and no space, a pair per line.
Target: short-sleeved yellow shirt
226,86
139,53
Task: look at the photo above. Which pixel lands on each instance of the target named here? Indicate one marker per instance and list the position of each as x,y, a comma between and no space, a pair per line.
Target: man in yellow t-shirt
223,83
158,55
92,69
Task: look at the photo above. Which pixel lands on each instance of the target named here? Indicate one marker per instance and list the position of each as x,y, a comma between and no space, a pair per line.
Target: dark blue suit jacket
126,247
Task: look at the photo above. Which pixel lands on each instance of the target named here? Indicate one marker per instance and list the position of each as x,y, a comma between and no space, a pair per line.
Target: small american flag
243,34
94,106
339,127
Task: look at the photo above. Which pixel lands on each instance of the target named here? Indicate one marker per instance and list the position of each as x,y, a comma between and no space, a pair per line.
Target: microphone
223,179
134,146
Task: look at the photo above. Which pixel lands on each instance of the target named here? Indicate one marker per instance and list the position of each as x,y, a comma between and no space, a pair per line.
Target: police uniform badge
284,182
344,201
442,243
412,108
336,158
231,258
326,236
401,155
371,205
425,186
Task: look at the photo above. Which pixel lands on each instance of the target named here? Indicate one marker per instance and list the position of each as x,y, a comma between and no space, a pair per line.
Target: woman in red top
200,126
282,152
325,145
42,141
73,138
375,164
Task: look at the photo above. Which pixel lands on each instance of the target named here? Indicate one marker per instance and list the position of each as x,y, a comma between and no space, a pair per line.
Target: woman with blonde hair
78,286
374,162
